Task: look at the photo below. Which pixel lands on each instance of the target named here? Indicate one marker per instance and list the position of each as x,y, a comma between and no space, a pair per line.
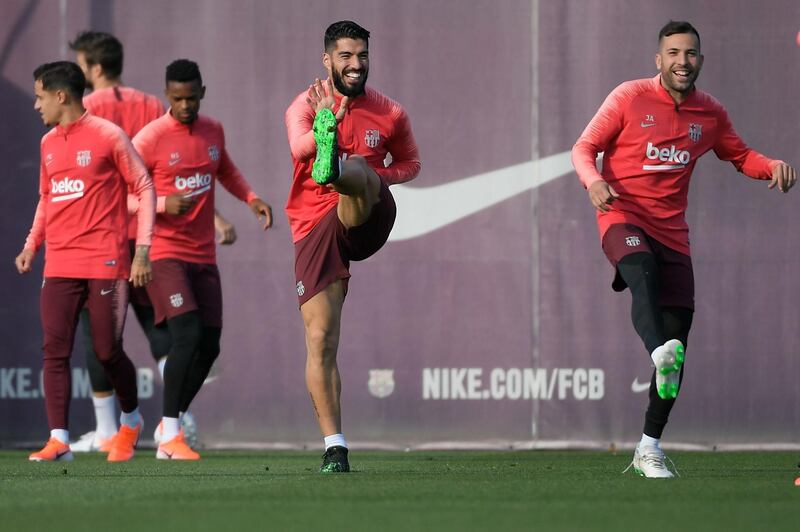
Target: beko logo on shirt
680,158
197,184
70,188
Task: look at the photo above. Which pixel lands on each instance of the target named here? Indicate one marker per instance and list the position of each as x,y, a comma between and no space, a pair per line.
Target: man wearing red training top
186,154
652,131
101,56
87,167
340,208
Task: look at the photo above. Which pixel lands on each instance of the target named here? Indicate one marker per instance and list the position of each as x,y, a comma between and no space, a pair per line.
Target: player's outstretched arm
783,176
601,194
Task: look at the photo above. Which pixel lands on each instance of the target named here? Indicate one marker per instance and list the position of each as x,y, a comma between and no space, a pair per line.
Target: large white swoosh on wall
421,210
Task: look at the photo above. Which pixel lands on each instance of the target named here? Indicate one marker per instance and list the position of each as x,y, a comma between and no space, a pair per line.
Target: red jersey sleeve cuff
251,196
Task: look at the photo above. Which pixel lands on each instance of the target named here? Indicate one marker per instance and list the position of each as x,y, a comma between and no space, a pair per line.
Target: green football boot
326,165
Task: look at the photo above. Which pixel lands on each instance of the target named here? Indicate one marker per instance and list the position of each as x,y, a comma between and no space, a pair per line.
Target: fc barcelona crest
213,152
84,158
372,138
695,132
381,382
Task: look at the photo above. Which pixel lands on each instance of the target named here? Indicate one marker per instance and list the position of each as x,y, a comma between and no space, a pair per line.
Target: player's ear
202,92
97,71
61,95
326,60
658,61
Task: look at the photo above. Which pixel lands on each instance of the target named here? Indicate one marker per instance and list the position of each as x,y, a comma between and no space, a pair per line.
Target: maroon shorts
675,274
323,255
179,287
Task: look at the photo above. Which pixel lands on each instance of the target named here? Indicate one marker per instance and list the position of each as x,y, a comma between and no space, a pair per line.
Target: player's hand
141,269
784,177
262,211
24,261
602,195
226,231
320,96
178,203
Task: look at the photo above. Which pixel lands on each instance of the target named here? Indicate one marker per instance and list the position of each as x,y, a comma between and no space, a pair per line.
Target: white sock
161,363
171,427
647,441
105,414
130,419
61,435
335,439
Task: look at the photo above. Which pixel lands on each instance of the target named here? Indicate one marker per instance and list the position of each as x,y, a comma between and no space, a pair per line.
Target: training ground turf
497,491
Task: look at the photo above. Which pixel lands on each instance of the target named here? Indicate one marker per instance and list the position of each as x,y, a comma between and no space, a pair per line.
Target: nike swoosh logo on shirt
105,292
421,210
197,192
173,162
646,124
638,387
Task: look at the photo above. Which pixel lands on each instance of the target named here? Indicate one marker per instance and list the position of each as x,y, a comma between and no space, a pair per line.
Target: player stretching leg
652,132
340,210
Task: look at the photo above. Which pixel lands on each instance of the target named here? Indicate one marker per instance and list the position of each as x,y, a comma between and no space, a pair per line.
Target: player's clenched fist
602,195
24,261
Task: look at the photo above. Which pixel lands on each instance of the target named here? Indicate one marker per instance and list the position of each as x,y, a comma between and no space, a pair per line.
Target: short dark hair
64,75
344,29
182,71
100,49
674,27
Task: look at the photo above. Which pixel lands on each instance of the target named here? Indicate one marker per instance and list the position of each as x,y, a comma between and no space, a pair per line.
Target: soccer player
186,154
100,55
339,207
87,166
652,131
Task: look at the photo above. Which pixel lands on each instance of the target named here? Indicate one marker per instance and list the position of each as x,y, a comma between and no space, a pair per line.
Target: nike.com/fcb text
513,384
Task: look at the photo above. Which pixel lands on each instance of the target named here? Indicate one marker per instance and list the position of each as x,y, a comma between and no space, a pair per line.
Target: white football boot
668,360
650,462
91,442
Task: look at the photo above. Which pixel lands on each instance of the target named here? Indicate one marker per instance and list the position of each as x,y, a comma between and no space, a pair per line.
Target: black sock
185,334
207,353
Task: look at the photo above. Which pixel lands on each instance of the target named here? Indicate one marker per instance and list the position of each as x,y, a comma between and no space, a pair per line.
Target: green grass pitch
497,491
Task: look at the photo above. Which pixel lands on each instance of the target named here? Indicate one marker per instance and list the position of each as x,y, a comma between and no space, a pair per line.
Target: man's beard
343,89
